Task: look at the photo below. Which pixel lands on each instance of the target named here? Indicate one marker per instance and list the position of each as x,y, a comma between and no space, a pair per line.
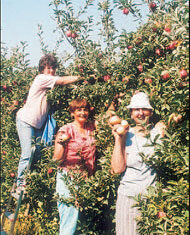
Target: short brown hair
47,60
78,103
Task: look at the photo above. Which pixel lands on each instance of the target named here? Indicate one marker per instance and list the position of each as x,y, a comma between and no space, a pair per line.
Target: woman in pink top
74,149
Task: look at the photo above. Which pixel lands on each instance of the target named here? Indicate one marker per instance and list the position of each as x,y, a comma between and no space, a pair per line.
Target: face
141,115
81,115
48,70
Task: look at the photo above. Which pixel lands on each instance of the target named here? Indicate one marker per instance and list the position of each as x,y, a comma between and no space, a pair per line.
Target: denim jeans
28,135
68,214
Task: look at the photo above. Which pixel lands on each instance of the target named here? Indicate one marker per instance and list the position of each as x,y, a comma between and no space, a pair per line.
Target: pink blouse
79,150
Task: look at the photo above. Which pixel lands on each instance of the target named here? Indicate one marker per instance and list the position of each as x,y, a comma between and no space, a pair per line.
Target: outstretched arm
67,80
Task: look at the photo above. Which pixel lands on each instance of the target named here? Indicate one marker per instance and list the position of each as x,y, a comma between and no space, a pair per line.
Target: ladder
12,216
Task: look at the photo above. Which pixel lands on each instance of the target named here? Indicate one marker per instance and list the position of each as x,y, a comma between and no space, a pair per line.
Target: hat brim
139,107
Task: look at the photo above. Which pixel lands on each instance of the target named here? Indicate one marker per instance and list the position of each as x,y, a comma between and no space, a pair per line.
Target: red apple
140,68
12,174
129,47
183,73
167,29
154,29
161,214
68,33
165,75
125,11
152,6
172,45
148,80
50,170
114,120
158,52
107,77
74,35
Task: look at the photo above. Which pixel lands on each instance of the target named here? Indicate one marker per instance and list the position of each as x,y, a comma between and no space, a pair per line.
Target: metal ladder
12,216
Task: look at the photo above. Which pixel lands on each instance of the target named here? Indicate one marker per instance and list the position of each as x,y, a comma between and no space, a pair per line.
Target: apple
154,29
183,73
68,33
74,35
125,11
4,153
4,87
12,175
15,83
15,102
125,123
140,68
172,45
50,170
139,41
167,29
129,47
100,55
114,120
178,118
157,51
161,214
120,130
107,77
165,75
64,138
148,80
152,6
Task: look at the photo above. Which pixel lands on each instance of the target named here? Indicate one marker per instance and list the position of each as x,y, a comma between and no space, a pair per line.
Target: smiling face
81,115
49,70
141,115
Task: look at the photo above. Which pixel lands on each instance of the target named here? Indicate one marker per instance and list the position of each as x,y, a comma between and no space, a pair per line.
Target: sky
20,20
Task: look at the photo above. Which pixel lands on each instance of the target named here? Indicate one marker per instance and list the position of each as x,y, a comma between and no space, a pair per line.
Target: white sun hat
139,100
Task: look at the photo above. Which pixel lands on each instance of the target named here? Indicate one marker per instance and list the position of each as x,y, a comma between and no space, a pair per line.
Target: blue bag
49,130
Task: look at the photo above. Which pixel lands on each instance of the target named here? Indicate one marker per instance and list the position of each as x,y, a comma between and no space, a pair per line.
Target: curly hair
47,60
78,103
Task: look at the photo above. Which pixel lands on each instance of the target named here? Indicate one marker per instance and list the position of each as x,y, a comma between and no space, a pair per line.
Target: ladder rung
10,215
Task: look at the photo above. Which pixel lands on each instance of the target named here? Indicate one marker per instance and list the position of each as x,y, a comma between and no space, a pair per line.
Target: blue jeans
27,136
68,214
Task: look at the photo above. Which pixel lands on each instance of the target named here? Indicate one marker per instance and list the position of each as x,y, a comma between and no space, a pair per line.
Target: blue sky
20,19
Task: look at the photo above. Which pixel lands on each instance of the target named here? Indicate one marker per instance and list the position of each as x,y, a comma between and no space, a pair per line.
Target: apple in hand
63,138
114,120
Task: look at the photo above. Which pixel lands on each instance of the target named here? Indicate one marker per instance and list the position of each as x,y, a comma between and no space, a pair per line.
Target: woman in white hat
126,159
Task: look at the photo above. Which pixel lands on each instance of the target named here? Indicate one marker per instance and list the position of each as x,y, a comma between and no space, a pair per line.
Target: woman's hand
62,138
160,126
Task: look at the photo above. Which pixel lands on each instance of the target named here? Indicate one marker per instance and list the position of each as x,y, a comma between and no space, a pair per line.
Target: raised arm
118,161
59,146
67,80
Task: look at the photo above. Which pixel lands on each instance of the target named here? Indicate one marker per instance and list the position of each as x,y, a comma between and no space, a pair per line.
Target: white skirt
125,216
